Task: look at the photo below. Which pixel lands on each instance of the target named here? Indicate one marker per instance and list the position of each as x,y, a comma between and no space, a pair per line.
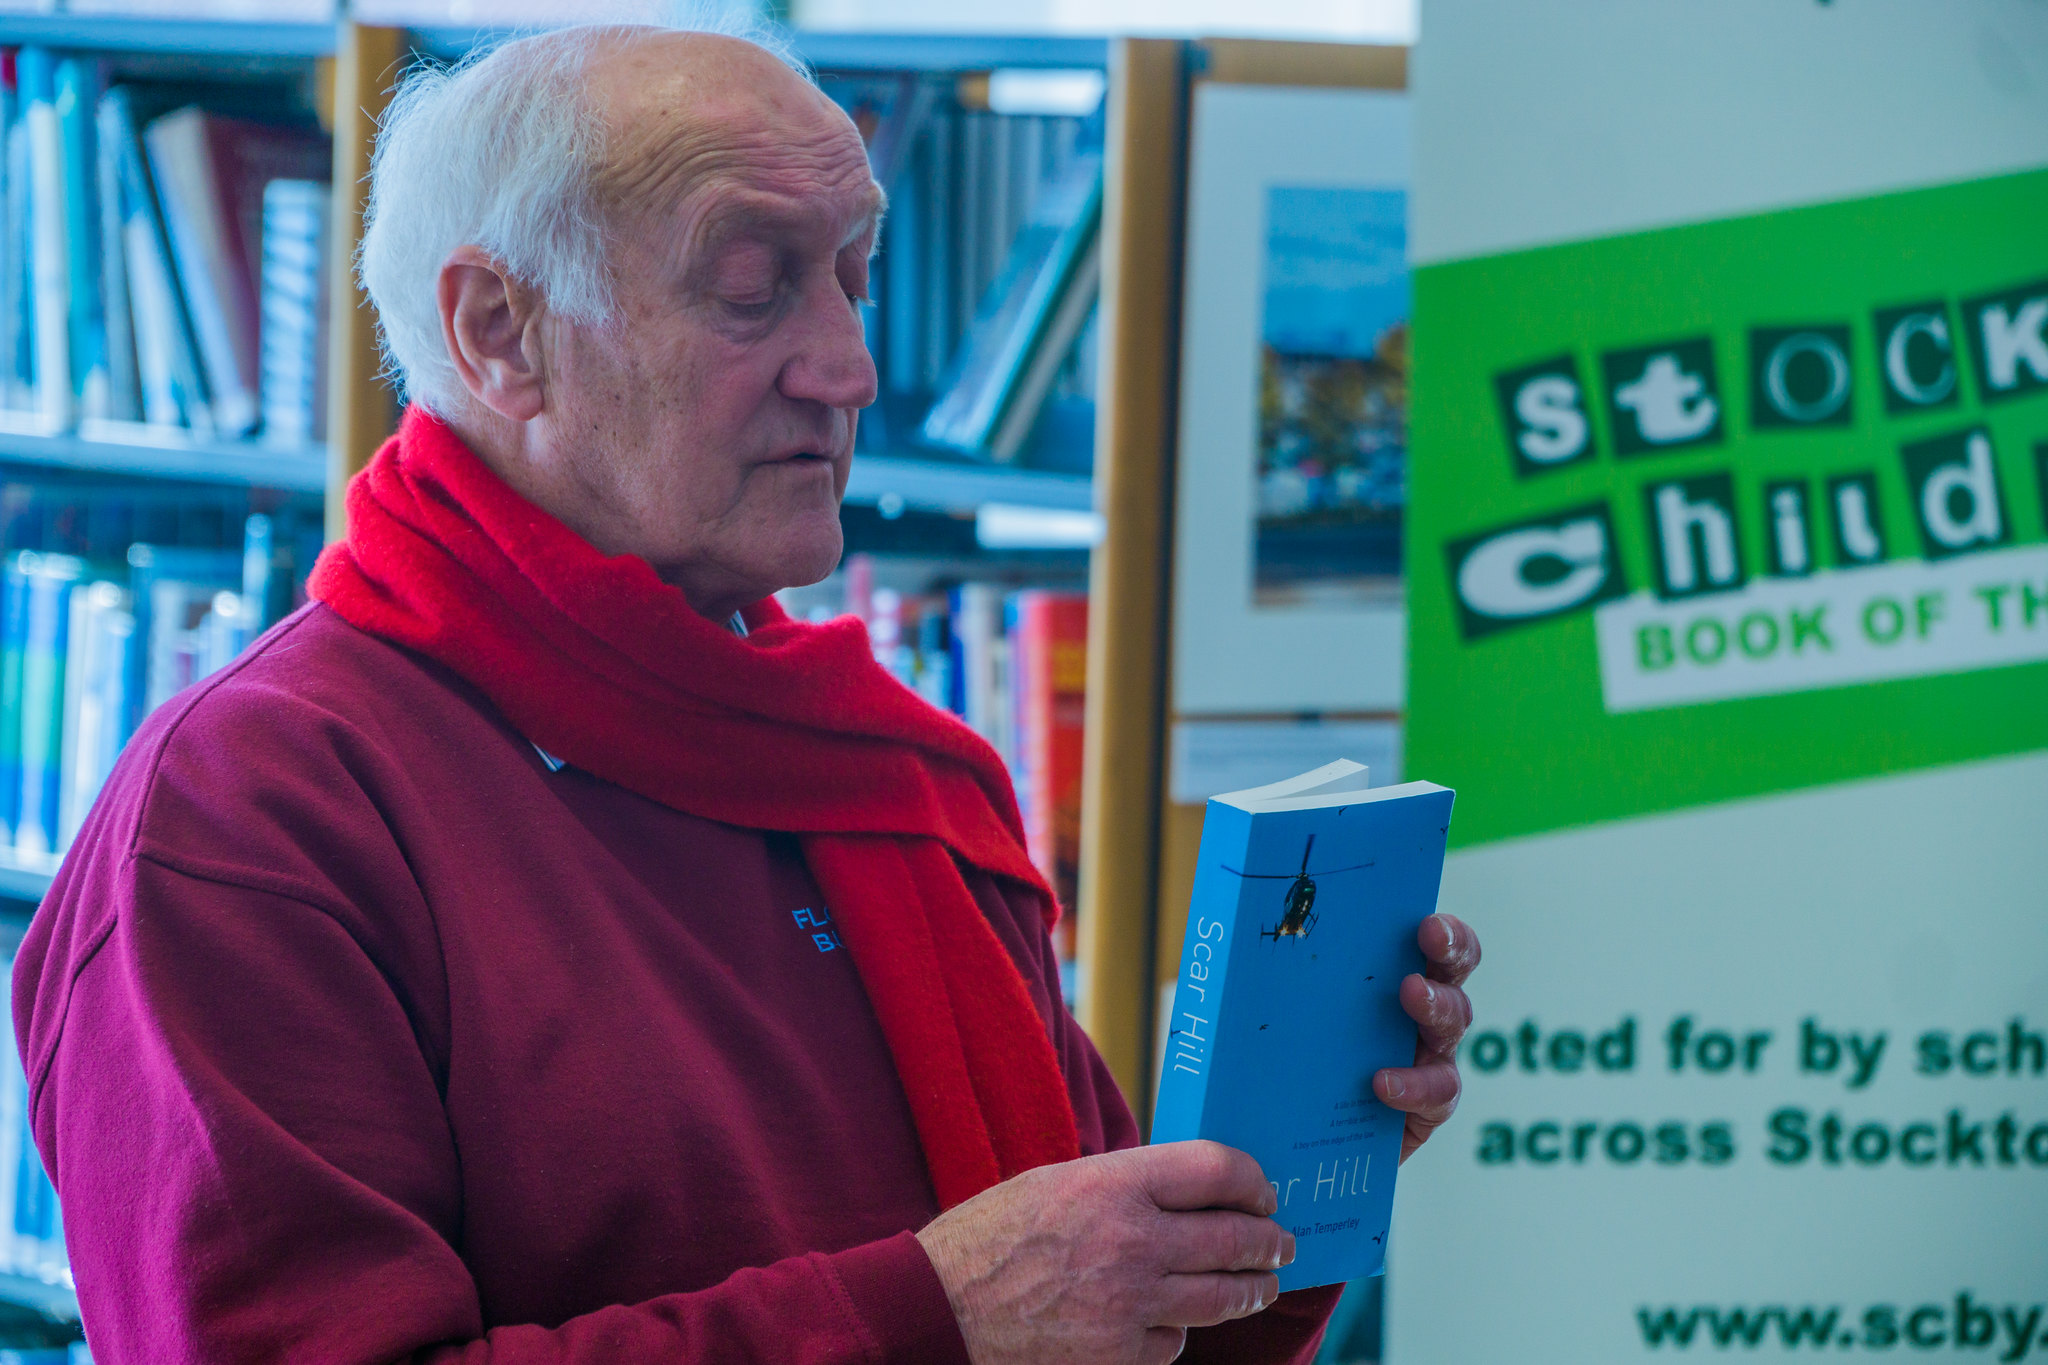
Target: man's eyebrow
871,221
736,218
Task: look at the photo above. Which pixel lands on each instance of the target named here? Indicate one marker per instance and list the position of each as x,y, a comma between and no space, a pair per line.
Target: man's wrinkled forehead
728,135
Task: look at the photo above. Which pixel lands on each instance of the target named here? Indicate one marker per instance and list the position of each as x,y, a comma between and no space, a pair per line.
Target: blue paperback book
1308,894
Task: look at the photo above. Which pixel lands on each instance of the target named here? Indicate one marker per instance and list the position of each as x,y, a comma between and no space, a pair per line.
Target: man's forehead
728,206
771,149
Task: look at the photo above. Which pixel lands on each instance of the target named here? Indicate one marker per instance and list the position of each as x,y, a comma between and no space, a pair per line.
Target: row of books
1012,663
986,281
112,599
162,266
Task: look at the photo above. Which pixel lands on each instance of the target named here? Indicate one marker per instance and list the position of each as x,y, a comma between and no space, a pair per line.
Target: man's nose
831,363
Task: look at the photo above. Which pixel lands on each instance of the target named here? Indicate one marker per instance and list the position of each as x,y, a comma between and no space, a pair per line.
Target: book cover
1307,897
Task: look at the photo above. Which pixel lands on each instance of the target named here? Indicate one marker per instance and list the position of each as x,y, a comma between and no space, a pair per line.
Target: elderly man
540,948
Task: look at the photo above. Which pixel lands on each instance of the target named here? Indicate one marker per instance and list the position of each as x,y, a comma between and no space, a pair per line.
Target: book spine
13,637
294,223
1198,999
101,627
124,391
77,666
50,268
10,294
76,105
20,296
42,707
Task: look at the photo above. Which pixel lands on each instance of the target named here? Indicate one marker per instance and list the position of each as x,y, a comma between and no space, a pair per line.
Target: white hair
500,151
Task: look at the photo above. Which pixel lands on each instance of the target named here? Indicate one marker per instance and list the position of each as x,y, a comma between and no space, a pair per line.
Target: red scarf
795,727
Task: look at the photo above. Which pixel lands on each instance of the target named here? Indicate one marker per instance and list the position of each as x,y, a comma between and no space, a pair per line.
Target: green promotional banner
1733,508
1727,576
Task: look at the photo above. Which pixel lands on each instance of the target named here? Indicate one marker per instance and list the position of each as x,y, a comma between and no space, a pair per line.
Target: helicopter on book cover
1298,907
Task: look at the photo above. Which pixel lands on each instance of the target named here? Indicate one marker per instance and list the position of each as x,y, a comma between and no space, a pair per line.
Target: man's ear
491,325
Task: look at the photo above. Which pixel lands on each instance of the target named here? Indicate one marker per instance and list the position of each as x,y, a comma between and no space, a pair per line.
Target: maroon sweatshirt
357,1032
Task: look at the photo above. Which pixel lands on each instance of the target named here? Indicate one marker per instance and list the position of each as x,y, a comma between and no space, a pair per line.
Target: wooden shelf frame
1136,399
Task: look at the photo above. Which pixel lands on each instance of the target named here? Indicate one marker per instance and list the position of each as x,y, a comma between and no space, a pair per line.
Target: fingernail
1450,935
1395,1087
1286,1248
1428,993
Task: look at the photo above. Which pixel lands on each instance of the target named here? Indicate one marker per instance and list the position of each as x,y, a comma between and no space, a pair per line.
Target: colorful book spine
45,651
13,638
1051,681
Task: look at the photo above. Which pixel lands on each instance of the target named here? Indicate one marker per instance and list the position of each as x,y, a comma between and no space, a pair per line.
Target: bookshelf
153,453
206,38
188,47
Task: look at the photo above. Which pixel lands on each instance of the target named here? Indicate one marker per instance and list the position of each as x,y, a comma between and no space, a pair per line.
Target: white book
156,321
51,265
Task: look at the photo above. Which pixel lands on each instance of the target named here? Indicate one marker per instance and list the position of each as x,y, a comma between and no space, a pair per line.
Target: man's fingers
1163,1345
1217,1240
1450,947
1202,1175
1428,1092
1441,1014
1205,1300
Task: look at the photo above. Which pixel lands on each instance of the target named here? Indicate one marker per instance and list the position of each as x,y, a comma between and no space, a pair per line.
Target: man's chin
811,559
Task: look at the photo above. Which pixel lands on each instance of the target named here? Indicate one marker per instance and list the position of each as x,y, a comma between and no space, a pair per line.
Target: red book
1051,662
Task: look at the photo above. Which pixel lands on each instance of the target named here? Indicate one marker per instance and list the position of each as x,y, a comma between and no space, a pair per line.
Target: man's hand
1109,1259
1428,1091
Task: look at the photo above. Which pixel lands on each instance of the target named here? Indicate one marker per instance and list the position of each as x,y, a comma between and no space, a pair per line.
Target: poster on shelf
1728,594
1333,398
1294,384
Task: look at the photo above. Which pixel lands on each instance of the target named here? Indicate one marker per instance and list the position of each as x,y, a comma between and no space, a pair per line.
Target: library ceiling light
1072,94
1007,526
